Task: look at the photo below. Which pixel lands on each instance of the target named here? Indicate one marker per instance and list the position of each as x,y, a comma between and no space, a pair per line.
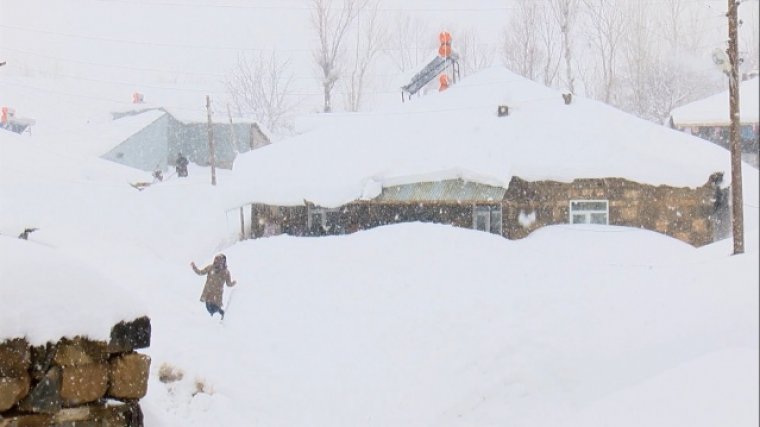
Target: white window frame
486,211
322,212
313,211
587,212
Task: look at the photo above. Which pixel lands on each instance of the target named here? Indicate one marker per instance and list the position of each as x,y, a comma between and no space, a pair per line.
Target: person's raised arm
200,272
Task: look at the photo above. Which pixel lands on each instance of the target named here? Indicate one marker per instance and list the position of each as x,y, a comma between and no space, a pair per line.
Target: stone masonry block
75,416
129,376
12,390
125,415
15,357
80,351
128,336
83,383
35,420
45,397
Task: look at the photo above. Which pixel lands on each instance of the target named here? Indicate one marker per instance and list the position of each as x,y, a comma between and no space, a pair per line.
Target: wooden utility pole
735,144
212,157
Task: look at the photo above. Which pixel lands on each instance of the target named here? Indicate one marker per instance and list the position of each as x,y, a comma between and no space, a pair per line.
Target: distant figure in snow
182,166
27,231
216,277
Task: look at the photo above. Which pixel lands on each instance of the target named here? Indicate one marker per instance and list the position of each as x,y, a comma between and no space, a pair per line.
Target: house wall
146,149
696,216
192,140
273,220
749,135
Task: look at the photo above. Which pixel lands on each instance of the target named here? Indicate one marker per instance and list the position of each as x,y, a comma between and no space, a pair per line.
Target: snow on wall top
457,134
713,110
54,296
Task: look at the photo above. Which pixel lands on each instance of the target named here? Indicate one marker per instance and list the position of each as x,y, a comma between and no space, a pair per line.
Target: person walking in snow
217,275
181,166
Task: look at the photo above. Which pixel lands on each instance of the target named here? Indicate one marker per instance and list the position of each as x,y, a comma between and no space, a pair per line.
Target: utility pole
735,144
211,142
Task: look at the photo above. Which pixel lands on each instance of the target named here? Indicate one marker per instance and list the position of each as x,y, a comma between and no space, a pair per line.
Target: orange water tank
445,49
443,79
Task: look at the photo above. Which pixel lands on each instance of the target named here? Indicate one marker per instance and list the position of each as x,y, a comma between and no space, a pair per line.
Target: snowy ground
414,324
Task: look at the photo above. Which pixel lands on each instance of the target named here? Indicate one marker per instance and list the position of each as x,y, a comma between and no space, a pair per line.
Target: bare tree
639,54
331,24
565,13
522,53
369,40
262,86
749,35
474,55
656,77
606,26
530,47
552,52
410,42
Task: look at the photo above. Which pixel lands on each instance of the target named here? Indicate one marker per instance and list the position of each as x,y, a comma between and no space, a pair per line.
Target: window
589,212
487,218
316,221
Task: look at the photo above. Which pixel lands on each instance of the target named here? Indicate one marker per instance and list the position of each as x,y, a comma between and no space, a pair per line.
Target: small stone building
496,153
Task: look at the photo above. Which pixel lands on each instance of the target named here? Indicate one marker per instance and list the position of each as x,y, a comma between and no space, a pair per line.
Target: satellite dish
720,59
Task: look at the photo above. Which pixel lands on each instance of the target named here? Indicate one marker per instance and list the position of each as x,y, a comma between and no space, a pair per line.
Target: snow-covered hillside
414,324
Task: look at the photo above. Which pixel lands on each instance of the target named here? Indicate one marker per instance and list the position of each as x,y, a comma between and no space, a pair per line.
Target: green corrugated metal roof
455,190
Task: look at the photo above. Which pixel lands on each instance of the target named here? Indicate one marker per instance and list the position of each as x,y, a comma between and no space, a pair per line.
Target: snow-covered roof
62,295
457,134
713,110
184,115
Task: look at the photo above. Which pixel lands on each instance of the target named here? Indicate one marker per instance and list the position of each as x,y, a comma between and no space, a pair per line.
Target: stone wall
692,215
76,381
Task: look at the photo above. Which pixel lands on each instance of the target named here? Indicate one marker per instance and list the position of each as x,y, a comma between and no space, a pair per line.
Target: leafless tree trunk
639,54
369,39
521,45
552,53
262,86
331,24
565,13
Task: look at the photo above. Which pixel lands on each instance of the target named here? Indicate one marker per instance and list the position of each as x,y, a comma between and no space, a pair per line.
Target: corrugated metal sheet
455,190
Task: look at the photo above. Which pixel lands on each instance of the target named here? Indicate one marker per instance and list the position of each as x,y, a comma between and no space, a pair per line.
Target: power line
100,64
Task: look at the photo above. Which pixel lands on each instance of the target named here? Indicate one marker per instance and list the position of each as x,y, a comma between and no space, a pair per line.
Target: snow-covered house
496,152
164,134
709,119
